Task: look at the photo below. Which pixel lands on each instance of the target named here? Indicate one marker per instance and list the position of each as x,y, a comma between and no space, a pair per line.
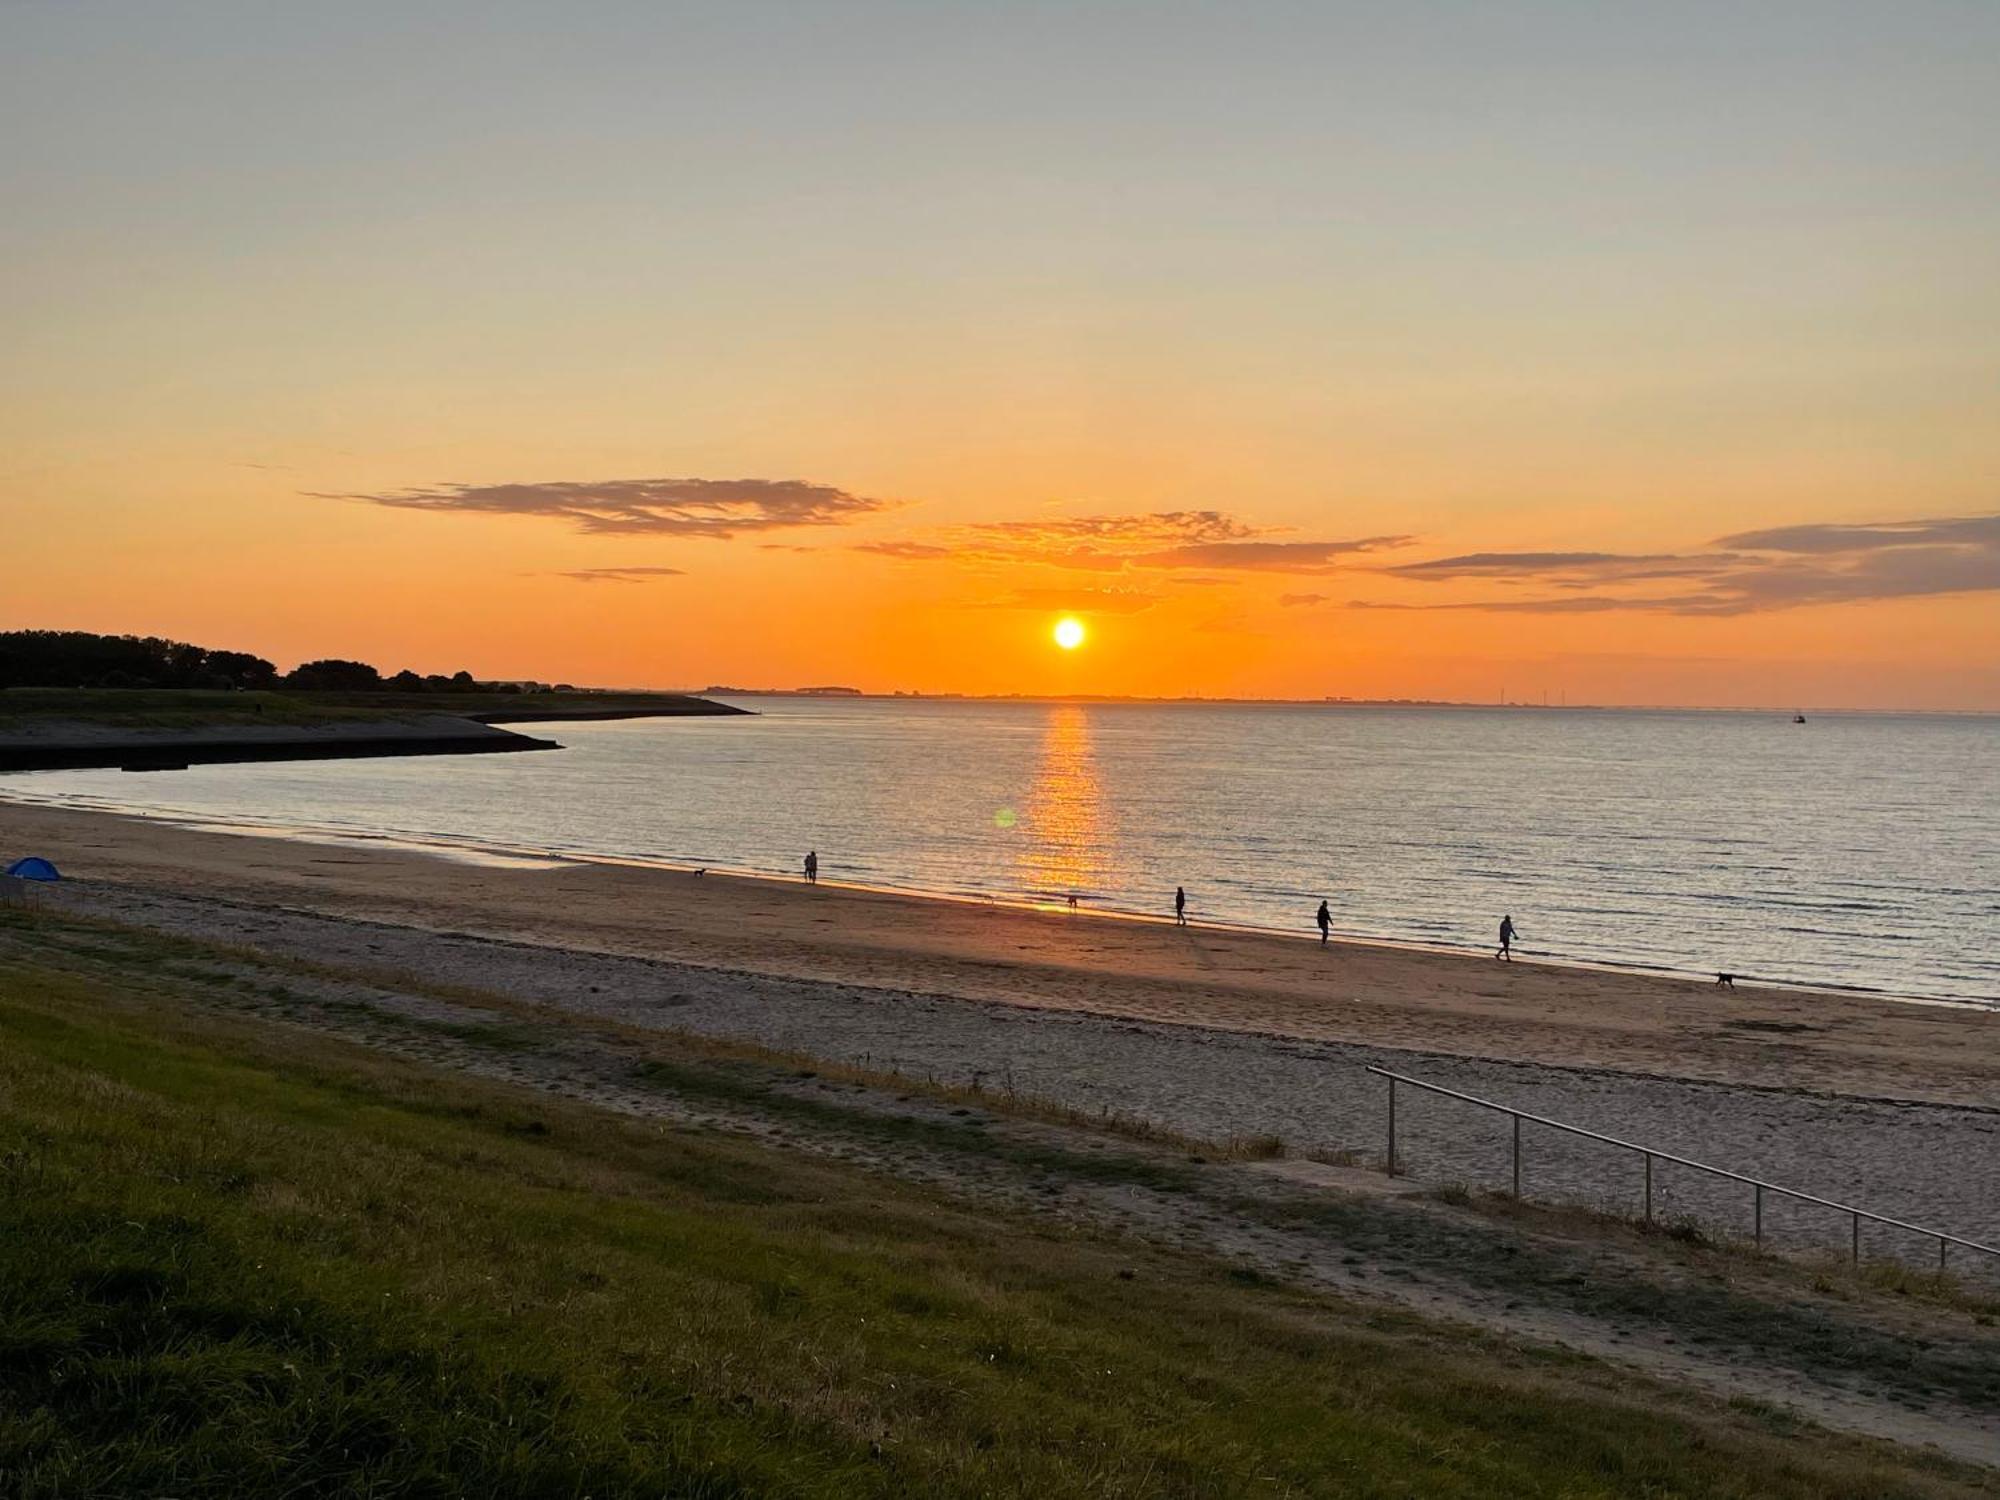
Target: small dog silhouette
701,872
1725,981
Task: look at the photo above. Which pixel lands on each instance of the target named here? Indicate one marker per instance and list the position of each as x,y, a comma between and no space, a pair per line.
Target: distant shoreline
61,746
220,729
1784,711
708,710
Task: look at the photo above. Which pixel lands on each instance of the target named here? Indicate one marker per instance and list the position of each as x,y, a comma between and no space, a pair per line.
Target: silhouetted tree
333,675
81,658
241,669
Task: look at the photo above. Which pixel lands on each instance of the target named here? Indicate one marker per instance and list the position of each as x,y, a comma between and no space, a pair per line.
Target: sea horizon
1198,700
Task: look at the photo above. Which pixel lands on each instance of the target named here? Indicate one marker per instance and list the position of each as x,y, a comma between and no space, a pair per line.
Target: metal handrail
1651,1154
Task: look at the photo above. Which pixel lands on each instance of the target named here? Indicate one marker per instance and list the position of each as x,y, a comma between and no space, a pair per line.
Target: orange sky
726,350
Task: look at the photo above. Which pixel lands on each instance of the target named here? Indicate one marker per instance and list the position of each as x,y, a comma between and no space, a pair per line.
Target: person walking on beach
812,867
1325,920
1180,907
1506,939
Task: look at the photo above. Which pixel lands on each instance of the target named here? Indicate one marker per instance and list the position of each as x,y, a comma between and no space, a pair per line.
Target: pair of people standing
1324,916
1325,920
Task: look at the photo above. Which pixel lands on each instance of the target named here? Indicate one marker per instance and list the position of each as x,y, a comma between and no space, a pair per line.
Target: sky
1622,353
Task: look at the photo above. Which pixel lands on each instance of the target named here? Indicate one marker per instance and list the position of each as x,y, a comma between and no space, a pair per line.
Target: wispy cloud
1575,604
1960,531
909,551
1301,601
713,508
1893,573
1152,527
1082,601
1569,568
1268,557
617,575
1208,542
1750,572
1096,544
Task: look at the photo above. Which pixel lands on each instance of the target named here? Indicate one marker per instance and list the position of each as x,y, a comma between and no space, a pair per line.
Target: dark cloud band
1751,572
714,508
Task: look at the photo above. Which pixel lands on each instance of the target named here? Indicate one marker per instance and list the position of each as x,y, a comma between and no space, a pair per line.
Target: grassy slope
243,1260
162,708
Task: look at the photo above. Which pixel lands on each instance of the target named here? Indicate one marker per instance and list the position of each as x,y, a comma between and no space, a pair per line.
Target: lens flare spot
1069,633
1004,818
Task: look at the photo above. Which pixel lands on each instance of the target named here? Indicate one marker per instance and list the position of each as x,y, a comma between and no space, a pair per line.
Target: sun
1069,633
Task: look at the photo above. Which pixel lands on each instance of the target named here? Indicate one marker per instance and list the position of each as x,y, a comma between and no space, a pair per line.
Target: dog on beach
1725,981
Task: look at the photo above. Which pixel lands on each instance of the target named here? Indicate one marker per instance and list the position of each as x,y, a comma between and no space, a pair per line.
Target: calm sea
1852,850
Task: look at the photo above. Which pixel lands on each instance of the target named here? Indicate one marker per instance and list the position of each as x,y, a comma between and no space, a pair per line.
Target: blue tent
33,868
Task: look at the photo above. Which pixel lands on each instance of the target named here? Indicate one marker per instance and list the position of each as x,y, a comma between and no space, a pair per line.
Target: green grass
240,1260
173,708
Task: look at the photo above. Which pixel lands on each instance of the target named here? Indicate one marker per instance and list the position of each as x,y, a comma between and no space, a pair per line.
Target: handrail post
1517,1156
1649,1187
1940,1255
1392,1127
1857,1238
1757,1216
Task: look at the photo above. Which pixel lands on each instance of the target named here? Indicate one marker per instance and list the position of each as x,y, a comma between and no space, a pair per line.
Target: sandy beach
1214,1036
1222,980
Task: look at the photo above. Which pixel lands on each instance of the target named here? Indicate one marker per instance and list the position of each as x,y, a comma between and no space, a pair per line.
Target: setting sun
1069,634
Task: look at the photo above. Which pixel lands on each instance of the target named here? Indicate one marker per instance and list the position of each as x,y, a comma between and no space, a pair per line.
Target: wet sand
1467,1006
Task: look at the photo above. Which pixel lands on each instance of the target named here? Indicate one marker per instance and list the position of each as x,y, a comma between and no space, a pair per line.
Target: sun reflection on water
1065,821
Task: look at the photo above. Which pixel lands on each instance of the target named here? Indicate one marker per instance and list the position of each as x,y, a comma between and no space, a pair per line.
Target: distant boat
1798,718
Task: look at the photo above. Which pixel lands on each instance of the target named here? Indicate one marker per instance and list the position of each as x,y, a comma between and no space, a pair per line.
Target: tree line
82,659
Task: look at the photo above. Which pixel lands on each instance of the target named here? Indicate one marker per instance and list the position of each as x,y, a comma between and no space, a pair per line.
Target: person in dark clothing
812,867
1325,920
1506,939
1180,906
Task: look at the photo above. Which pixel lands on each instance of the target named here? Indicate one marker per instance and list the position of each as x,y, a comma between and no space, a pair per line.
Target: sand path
1926,1163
